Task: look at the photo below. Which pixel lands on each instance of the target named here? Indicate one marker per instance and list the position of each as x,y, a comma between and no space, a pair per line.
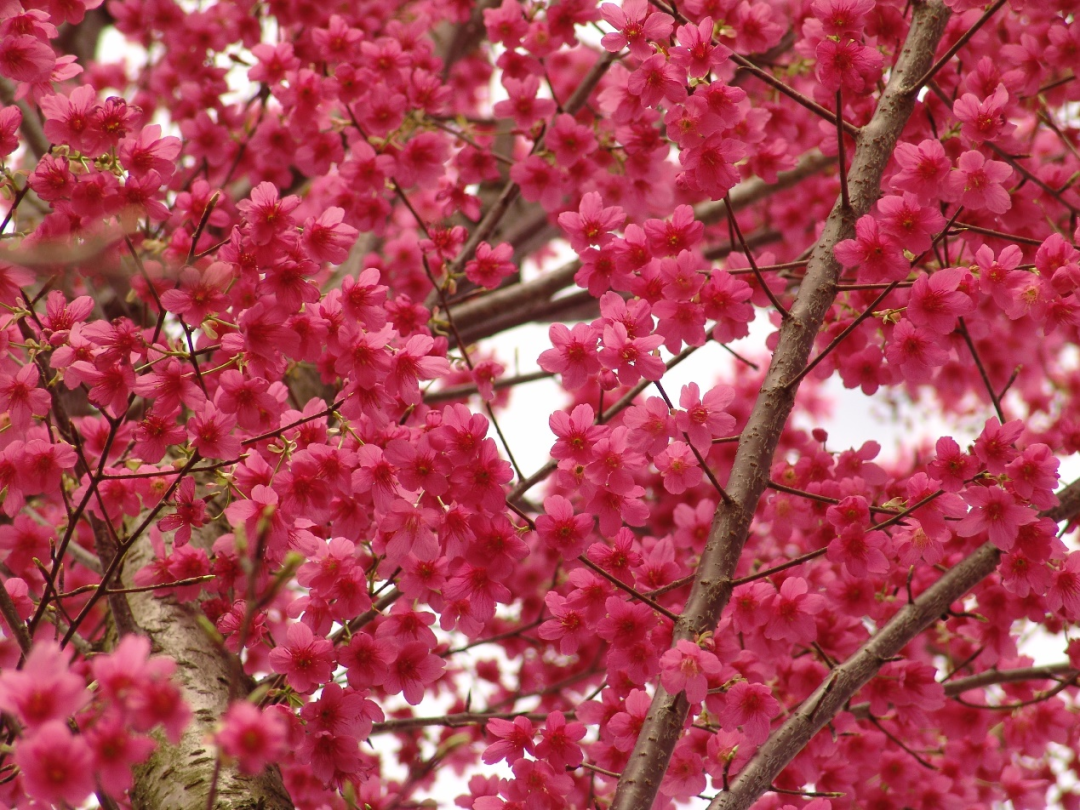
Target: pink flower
875,255
570,141
414,669
983,120
490,265
909,223
636,24
157,700
1034,475
703,418
574,354
523,105
657,80
44,689
998,277
568,625
952,466
752,706
842,18
341,712
1064,592
412,363
506,24
710,166
561,529
559,742
924,170
696,52
679,468
995,511
56,766
936,300
685,777
304,660
539,181
515,738
977,183
10,121
267,216
917,352
116,750
70,120
252,737
860,552
996,445
592,222
150,153
422,159
791,612
327,238
212,433
848,66
190,513
686,666
21,398
631,358
26,59
200,292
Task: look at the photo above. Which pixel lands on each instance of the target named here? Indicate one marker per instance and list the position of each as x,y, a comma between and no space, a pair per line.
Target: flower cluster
245,425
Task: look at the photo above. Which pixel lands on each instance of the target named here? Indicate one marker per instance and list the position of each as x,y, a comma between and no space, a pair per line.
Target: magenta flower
679,468
996,512
414,669
977,183
515,738
686,667
636,24
304,660
44,689
252,737
56,765
573,355
21,398
752,706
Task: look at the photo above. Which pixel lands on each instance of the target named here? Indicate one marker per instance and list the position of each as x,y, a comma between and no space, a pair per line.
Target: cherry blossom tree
264,541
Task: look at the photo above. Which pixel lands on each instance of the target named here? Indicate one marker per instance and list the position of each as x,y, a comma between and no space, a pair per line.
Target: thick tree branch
848,678
534,300
180,776
749,476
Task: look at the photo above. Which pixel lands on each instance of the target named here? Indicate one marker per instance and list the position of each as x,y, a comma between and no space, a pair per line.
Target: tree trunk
180,777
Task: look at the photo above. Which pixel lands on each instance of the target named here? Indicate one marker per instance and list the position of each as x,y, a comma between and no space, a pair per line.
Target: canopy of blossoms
264,542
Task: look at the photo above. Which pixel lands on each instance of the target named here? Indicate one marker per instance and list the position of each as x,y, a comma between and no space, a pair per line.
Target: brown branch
510,192
749,476
992,677
960,43
455,720
618,583
520,303
751,191
791,93
963,330
843,682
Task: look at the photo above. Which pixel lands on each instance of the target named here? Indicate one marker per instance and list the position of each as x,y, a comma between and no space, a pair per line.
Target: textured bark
712,587
180,777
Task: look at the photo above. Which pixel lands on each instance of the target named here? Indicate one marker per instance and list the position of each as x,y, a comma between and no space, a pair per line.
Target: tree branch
848,678
520,303
749,476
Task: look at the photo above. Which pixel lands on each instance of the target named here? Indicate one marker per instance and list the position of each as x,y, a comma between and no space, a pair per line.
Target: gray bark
179,777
